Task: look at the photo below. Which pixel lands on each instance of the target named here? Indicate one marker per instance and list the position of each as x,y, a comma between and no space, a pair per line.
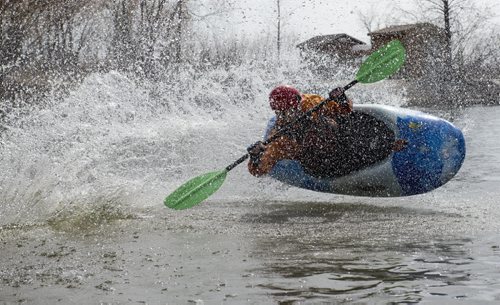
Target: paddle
379,65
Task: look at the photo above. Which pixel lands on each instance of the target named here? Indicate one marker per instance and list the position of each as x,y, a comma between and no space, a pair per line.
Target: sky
308,18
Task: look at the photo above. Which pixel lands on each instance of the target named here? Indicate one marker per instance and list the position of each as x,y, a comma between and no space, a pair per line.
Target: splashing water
119,141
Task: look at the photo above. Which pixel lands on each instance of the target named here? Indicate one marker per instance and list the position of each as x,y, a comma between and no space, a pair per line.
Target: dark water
375,254
253,253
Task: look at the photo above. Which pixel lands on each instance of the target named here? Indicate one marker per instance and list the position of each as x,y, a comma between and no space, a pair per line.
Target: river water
83,221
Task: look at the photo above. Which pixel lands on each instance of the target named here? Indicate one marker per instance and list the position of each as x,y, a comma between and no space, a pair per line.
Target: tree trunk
447,30
180,16
278,39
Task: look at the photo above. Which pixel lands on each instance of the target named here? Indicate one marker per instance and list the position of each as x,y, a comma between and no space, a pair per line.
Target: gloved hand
338,95
256,151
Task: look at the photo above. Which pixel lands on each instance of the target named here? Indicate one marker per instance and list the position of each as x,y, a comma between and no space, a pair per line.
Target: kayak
434,153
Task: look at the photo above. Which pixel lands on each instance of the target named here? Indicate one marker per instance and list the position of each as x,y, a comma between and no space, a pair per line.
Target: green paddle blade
195,190
382,63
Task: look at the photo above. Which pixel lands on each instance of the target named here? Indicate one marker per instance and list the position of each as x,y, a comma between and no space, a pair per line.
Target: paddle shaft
285,128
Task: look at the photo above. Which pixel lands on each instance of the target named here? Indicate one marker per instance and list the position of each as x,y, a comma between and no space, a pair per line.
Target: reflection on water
395,277
345,252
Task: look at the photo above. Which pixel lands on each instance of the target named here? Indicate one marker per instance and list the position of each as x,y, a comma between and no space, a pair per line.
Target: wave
135,141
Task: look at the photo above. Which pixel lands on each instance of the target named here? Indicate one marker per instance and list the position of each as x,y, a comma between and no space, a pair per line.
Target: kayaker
289,104
329,143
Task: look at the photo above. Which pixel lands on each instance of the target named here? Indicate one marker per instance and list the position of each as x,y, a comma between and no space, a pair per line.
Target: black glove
256,151
338,95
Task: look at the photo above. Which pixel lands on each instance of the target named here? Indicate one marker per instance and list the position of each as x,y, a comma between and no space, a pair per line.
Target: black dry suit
357,140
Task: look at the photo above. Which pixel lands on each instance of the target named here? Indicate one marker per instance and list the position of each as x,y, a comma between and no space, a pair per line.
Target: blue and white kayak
434,154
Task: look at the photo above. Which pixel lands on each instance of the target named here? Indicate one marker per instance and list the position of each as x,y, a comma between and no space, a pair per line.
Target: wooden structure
425,47
342,46
424,43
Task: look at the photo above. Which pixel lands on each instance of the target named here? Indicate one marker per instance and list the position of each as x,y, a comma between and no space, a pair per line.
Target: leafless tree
281,19
35,38
369,21
190,13
153,33
469,47
42,39
278,36
462,20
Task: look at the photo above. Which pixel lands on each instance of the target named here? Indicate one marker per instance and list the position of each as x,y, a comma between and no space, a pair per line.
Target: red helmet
284,98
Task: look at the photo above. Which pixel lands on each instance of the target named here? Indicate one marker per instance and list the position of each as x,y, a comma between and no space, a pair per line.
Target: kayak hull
434,154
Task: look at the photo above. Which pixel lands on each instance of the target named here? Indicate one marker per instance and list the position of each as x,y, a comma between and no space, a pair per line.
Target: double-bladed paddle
379,65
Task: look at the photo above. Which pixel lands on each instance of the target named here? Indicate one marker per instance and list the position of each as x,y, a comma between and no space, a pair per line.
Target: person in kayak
331,142
289,104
